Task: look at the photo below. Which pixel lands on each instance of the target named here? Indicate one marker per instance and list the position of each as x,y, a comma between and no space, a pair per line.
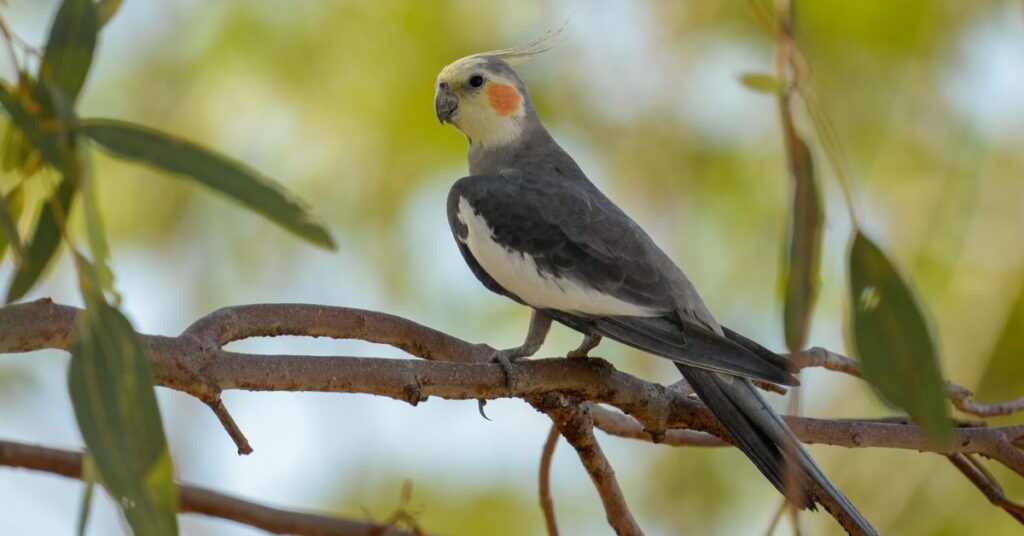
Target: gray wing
570,233
573,231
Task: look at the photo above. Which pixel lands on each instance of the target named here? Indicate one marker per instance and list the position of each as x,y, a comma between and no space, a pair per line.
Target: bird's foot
589,343
506,358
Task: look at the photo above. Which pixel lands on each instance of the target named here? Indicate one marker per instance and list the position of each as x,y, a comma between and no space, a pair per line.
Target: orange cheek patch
504,98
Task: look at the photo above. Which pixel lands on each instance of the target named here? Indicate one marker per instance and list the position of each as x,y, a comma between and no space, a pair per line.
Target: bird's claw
505,358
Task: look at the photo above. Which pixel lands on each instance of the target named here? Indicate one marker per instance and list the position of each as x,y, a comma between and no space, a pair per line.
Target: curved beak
445,104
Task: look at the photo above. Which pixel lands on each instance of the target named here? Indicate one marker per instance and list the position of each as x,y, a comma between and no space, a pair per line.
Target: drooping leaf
10,160
1003,379
55,144
803,256
46,236
95,231
111,385
10,210
105,10
26,115
69,49
761,83
893,341
45,239
181,157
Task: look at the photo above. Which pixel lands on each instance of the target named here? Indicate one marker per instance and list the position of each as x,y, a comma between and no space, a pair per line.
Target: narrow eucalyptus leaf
94,228
9,227
15,202
1003,379
111,385
893,341
174,155
45,239
69,49
761,83
30,123
803,256
55,145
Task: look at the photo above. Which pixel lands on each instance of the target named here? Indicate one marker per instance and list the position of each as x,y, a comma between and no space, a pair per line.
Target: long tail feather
763,436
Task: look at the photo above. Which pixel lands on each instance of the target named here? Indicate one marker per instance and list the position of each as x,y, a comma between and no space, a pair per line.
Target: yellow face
483,104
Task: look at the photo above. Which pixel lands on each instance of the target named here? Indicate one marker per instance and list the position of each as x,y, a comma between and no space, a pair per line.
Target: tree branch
196,363
572,417
203,501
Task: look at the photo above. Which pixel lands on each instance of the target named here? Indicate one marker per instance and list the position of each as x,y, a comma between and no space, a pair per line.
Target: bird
533,228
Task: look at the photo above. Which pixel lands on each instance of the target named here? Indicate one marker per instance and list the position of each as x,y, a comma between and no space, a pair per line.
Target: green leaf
95,231
1003,379
19,155
111,385
45,240
10,210
803,259
893,341
174,155
761,83
105,10
89,477
57,148
25,113
69,49
11,148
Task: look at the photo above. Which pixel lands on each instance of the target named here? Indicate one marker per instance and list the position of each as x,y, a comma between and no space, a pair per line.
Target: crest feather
530,49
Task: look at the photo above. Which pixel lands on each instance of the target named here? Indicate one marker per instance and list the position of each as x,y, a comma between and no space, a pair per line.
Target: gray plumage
538,209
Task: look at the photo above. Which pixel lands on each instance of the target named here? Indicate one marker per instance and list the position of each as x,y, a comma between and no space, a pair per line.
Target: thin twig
574,422
547,503
202,501
963,400
402,515
230,426
9,42
776,517
795,519
986,482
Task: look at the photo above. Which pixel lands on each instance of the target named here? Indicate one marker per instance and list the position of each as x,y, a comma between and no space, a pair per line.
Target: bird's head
483,96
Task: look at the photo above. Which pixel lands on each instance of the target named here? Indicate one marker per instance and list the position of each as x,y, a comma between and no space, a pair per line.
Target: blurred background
334,99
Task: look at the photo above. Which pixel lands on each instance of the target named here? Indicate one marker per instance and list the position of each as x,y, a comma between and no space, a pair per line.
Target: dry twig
987,483
547,504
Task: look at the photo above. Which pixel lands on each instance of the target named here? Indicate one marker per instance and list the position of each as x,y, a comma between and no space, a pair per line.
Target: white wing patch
517,272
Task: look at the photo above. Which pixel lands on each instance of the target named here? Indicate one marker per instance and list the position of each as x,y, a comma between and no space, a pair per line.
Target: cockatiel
533,228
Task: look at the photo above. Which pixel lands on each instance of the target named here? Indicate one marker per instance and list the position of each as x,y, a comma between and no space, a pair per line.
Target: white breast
517,272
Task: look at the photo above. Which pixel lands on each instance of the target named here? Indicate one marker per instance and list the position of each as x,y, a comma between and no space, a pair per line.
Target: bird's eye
476,80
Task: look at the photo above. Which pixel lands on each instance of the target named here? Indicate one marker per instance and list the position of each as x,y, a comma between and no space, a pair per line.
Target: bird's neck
533,151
